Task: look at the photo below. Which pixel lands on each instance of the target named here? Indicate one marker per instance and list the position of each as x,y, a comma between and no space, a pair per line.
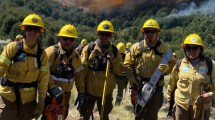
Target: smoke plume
205,8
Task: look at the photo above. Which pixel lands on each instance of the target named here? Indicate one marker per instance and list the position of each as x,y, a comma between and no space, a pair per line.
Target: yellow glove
38,110
163,67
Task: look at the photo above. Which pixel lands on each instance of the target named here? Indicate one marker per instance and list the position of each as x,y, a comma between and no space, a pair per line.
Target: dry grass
122,112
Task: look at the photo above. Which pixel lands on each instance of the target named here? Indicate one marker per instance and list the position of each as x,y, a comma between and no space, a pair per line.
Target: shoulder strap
209,66
56,50
157,44
19,45
142,49
114,50
178,63
38,55
90,48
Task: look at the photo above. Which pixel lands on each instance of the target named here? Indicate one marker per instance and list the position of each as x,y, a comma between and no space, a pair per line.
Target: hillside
176,22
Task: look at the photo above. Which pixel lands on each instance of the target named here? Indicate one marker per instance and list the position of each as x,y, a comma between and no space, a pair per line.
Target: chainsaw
148,88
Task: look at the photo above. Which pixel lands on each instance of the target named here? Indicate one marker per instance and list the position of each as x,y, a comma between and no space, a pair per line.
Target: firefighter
24,71
192,81
94,58
81,46
66,68
141,62
128,46
121,79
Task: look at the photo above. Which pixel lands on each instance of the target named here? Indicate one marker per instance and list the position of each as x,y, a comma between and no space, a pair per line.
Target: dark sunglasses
150,31
32,28
68,39
193,48
107,34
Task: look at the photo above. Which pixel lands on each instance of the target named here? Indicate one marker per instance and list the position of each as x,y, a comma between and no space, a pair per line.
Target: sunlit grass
122,112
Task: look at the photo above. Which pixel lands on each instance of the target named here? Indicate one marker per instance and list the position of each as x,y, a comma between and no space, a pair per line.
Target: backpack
208,63
20,54
91,46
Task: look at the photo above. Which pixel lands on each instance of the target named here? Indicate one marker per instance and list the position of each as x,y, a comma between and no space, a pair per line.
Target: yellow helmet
150,23
174,54
121,47
33,20
68,31
9,40
128,45
193,39
83,42
105,26
19,36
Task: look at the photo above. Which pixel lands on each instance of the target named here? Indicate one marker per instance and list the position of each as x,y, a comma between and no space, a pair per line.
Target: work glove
38,110
79,100
163,67
58,93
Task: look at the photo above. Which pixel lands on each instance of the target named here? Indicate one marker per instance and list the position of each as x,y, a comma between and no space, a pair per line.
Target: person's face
192,51
150,35
32,32
104,37
66,42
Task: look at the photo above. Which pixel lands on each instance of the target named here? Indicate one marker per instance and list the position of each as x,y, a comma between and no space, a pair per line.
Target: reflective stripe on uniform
44,68
61,79
28,89
79,69
5,60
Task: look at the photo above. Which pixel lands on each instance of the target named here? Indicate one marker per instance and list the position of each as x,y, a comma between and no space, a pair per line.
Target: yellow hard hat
33,20
68,31
9,40
128,45
174,54
105,26
150,24
121,47
193,39
83,42
19,36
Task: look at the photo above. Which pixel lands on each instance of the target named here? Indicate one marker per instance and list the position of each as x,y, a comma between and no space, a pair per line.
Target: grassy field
122,112
125,110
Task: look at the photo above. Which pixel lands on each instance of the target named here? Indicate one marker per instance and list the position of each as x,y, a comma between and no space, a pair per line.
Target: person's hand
38,110
163,67
80,100
206,97
110,55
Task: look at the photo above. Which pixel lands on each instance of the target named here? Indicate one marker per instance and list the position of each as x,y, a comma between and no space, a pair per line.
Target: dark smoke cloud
106,6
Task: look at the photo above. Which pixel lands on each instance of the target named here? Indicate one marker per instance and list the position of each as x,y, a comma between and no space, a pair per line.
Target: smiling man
95,57
141,62
66,68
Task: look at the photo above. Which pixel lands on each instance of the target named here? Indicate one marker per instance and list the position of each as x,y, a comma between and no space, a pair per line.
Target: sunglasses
150,31
68,39
107,34
193,48
32,28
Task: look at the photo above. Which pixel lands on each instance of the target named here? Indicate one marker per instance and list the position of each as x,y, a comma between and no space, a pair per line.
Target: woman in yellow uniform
25,74
193,80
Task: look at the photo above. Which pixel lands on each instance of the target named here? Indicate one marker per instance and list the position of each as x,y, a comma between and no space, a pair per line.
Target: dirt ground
124,111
